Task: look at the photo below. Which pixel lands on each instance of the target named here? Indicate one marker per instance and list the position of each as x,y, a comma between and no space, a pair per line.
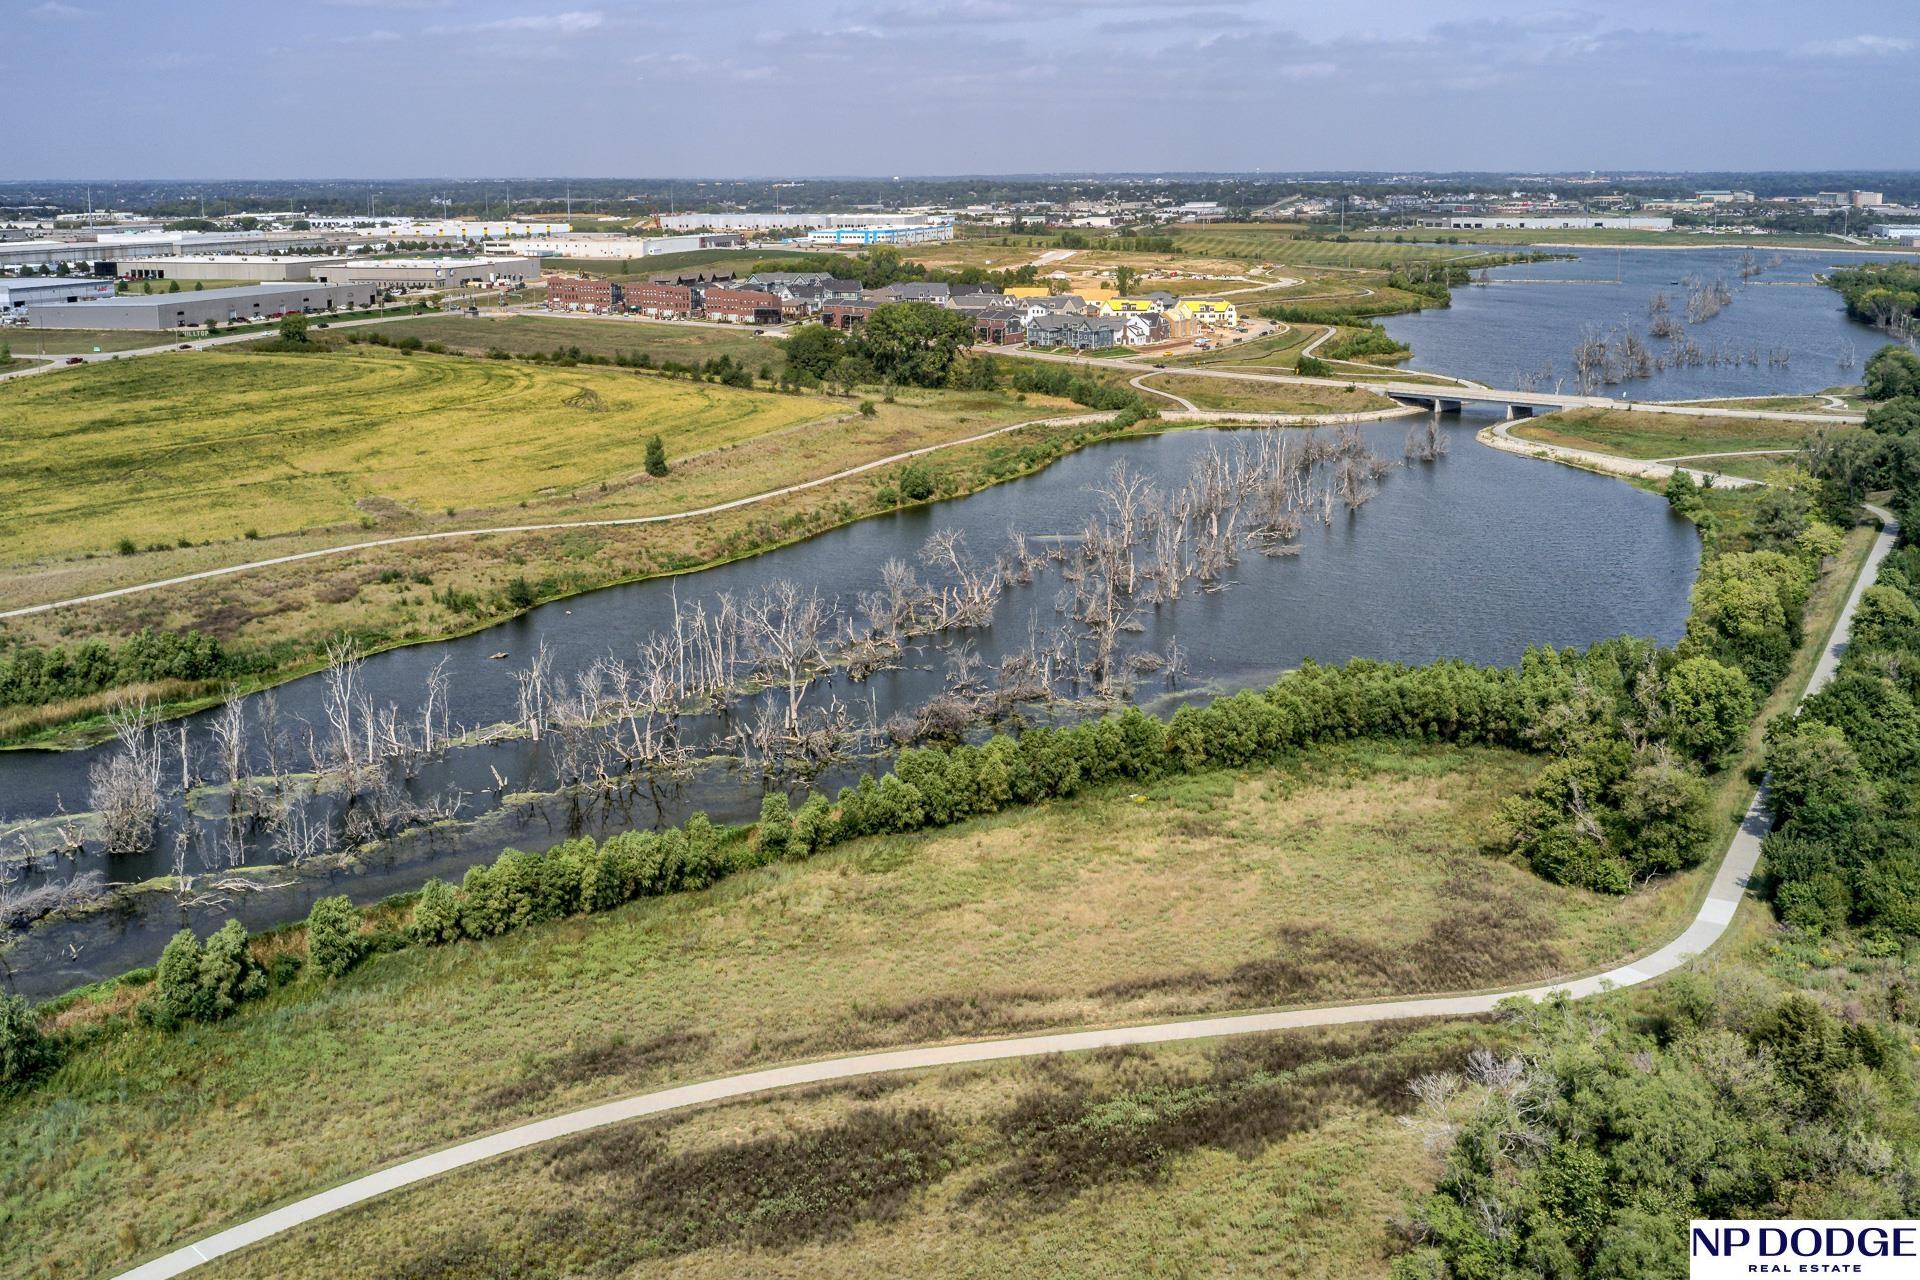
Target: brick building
846,315
582,293
742,306
661,300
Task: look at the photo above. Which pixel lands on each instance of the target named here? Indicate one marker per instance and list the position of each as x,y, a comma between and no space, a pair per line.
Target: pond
1520,331
1475,555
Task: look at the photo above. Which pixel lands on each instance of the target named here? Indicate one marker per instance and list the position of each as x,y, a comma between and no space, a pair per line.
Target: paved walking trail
1709,924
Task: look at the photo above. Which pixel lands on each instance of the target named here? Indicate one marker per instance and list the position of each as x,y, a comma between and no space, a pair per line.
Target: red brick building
657,299
845,315
742,306
581,293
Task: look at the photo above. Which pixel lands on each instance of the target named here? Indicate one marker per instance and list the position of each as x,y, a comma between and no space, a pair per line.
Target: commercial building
1571,222
430,273
259,267
741,306
792,221
610,245
583,293
1898,234
660,300
15,294
187,309
475,230
888,233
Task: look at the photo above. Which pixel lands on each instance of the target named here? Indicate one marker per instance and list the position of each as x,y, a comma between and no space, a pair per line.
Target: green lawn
1664,435
659,339
1355,872
66,342
1231,395
207,446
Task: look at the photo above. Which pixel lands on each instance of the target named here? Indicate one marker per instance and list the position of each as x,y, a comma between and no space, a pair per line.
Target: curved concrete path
1709,924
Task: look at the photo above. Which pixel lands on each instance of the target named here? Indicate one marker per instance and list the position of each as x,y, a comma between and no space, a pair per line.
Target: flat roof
240,292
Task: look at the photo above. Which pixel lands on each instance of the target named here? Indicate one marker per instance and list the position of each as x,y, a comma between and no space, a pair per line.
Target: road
1474,394
1709,924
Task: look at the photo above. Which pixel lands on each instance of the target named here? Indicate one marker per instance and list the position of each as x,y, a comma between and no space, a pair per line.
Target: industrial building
129,247
429,273
1570,222
16,294
608,245
190,310
259,267
887,233
789,221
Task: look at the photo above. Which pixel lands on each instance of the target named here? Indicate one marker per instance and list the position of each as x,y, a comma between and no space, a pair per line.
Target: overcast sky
433,88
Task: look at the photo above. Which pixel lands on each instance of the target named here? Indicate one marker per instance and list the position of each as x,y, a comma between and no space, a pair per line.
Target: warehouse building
190,310
16,294
258,267
889,233
610,245
429,273
1572,222
790,221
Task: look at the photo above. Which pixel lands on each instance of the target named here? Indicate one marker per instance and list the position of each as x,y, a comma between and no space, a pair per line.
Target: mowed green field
1355,872
1276,244
62,342
212,445
1666,435
658,339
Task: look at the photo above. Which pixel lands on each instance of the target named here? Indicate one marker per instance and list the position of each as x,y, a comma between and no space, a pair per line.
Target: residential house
582,293
934,291
1213,311
848,313
741,306
662,301
997,326
1079,332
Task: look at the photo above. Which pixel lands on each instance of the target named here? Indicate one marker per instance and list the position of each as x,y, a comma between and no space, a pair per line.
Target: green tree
1891,372
1708,707
776,826
1896,417
1124,278
915,343
293,328
811,351
334,941
656,456
436,913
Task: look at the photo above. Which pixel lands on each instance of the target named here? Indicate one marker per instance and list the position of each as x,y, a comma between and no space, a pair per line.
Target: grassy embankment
346,446
1354,872
1665,435
1233,396
69,342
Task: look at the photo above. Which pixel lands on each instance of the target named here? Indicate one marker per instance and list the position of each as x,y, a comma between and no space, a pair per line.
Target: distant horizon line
1264,174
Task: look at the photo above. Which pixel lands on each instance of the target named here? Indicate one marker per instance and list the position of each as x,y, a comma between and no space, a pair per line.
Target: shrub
203,983
334,944
25,1054
775,833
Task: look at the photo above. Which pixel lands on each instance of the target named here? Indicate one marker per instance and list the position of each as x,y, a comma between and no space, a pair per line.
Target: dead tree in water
124,789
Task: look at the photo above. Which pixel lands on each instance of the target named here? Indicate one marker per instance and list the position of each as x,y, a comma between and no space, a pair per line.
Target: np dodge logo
1877,1250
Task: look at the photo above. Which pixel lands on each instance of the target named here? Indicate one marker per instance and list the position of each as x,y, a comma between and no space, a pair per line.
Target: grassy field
659,339
1356,872
65,342
1279,1156
1278,244
209,447
1664,435
1267,397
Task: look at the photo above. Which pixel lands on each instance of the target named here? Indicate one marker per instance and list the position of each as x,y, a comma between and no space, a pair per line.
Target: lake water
1529,323
1474,556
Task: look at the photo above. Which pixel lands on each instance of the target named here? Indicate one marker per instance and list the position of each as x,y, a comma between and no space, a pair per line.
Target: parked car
75,360
185,346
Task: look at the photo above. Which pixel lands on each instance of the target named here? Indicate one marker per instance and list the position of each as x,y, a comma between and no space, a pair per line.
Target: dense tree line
1588,1154
1846,849
1882,293
31,675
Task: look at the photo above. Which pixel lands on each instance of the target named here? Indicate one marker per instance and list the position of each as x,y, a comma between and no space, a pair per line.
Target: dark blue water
1476,556
1501,333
